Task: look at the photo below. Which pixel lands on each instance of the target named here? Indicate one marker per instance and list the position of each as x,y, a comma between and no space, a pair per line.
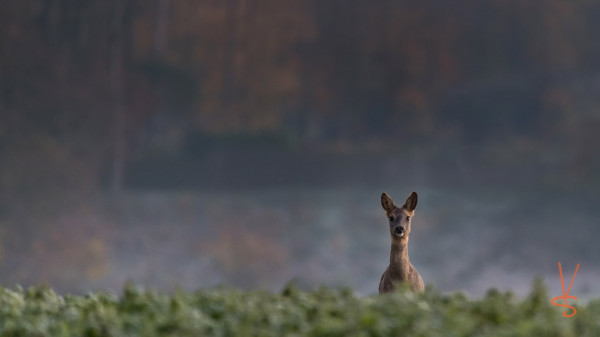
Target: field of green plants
323,312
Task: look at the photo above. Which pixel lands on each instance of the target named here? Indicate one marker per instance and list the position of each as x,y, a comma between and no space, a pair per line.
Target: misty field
322,312
468,240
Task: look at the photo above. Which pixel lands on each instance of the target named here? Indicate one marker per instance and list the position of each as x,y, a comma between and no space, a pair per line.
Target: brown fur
400,269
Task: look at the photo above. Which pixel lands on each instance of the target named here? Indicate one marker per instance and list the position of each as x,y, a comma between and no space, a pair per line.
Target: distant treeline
89,86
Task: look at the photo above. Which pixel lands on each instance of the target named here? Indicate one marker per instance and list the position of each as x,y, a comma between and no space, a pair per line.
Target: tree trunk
160,31
231,27
117,93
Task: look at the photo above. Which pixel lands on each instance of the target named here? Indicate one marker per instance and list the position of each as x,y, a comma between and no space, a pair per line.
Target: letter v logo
565,295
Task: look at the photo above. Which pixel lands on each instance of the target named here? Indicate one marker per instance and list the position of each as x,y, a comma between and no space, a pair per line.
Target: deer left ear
411,202
387,203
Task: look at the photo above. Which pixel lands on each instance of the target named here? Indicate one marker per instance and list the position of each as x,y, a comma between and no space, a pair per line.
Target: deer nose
398,230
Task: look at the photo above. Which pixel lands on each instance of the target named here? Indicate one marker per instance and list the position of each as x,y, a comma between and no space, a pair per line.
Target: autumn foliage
103,95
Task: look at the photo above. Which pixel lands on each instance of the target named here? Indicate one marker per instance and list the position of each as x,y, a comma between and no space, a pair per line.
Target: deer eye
391,218
407,218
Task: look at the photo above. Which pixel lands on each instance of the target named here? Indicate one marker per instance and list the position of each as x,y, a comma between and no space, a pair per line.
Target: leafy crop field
323,312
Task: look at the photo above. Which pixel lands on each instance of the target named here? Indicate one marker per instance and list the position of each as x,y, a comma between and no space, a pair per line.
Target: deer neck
399,261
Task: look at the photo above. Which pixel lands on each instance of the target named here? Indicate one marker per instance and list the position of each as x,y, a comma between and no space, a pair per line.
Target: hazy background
246,143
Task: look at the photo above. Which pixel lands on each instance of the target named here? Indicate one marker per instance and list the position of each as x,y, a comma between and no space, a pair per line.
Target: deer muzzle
399,231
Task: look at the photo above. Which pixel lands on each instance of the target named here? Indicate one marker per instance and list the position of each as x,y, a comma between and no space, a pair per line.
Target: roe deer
400,269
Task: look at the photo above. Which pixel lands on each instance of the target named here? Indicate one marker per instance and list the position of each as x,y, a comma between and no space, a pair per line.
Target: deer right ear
411,202
387,203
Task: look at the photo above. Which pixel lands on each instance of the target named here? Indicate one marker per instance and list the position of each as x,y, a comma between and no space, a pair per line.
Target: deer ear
387,203
411,202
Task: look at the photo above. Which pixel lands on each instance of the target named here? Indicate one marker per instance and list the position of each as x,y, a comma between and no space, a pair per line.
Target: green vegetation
324,312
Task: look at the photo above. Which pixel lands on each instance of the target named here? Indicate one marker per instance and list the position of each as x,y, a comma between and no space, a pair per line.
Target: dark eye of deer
407,218
391,218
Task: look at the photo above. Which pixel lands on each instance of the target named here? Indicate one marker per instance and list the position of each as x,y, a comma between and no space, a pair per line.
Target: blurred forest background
246,142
